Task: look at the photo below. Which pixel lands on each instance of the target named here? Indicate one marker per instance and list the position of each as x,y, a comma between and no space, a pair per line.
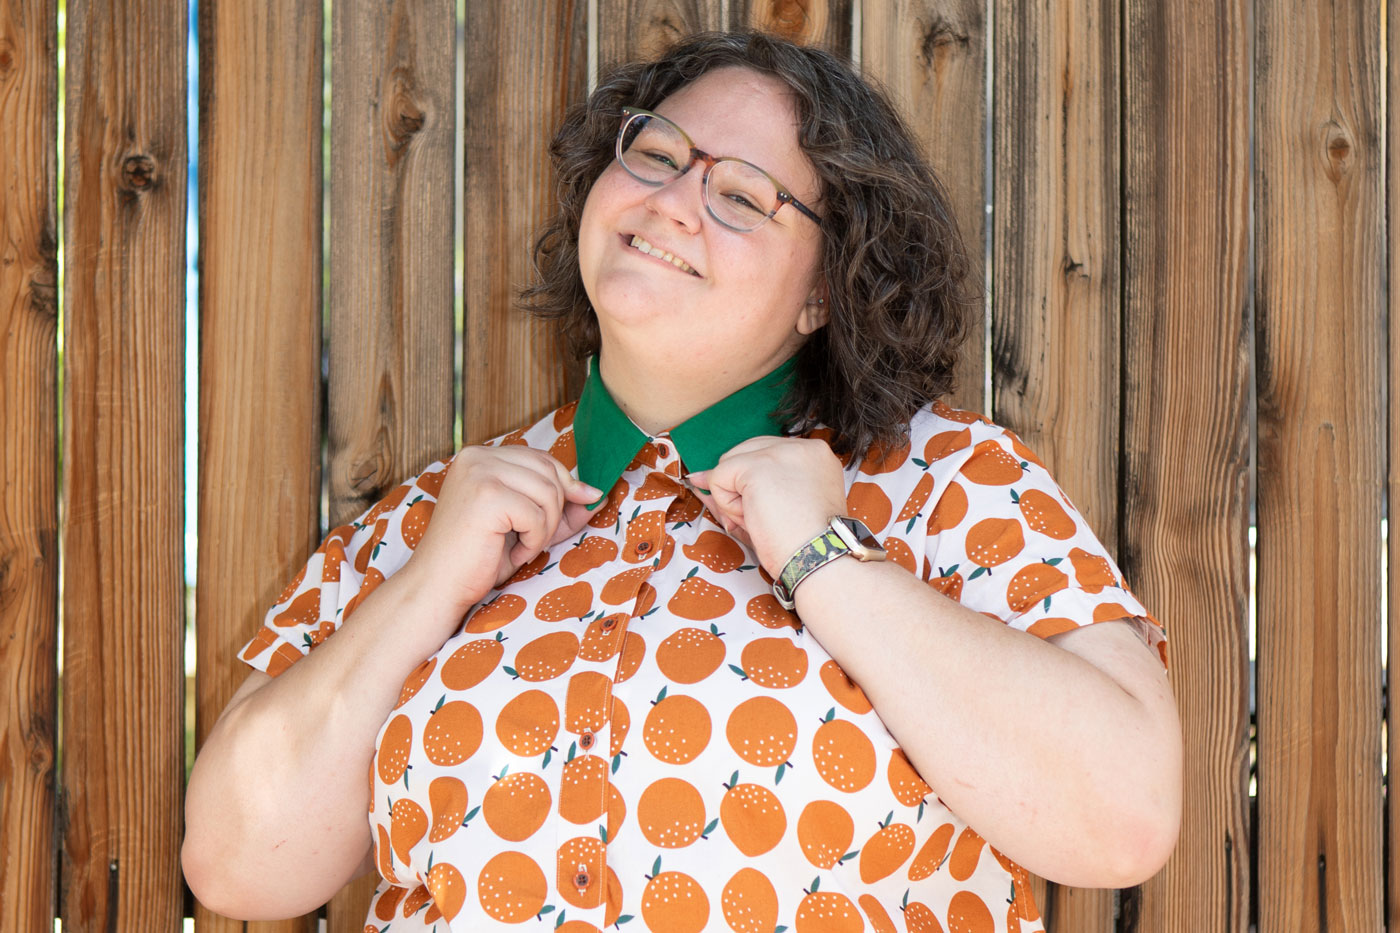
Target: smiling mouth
642,245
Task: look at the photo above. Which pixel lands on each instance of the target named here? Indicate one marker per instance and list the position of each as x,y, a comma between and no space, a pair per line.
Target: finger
573,488
576,516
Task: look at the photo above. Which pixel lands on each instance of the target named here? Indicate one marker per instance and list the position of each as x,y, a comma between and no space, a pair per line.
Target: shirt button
643,547
609,623
663,450
585,741
582,879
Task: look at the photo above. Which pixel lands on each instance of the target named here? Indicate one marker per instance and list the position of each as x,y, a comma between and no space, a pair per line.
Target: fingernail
596,493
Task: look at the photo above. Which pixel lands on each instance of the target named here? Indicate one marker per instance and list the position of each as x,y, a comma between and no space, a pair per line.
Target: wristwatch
841,536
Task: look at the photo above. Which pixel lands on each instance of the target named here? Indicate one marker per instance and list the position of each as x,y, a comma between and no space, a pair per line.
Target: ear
814,313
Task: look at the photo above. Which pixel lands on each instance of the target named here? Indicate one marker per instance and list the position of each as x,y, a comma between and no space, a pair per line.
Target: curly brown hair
899,288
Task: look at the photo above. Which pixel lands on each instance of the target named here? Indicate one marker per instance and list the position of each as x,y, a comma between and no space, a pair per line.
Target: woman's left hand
775,493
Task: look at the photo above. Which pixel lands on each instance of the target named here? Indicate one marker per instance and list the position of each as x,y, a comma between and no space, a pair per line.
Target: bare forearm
276,808
1046,755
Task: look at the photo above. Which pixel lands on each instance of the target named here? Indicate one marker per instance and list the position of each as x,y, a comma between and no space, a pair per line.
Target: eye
742,201
661,158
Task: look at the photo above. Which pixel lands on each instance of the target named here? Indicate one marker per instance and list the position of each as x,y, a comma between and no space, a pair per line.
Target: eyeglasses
738,194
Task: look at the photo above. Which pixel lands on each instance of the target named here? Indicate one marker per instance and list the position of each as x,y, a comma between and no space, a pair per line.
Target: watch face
863,544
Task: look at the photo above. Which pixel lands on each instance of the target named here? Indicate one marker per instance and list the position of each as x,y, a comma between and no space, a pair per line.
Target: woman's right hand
499,508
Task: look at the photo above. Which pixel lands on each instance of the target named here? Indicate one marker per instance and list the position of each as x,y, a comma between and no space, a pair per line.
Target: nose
681,200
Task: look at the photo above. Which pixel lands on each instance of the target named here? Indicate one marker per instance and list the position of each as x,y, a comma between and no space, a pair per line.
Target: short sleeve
1004,540
351,562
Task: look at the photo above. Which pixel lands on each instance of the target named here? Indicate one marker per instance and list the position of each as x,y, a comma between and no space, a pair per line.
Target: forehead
737,112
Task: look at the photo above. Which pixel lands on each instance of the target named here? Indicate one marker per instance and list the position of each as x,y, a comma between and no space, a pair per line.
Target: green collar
606,440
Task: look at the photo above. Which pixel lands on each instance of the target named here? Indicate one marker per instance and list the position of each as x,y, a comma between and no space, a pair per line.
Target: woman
746,637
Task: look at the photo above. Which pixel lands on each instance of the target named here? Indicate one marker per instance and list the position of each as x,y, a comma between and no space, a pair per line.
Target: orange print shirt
631,732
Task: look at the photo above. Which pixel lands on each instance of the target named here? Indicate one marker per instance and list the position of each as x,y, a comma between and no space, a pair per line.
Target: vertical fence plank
1392,298
29,424
932,56
810,22
1055,275
629,30
260,333
124,233
390,385
1185,398
525,64
1320,339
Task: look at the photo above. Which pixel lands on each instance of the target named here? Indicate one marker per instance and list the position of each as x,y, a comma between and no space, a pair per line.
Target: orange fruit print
844,757
689,655
759,788
677,729
453,733
671,813
762,732
749,902
828,912
674,902
994,541
825,831
583,788
448,796
753,818
774,662
511,887
516,805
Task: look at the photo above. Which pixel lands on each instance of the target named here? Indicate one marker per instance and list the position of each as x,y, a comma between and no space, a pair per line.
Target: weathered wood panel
1185,401
525,64
29,424
390,329
1320,344
1392,583
260,333
932,57
633,29
124,337
810,22
390,384
1055,273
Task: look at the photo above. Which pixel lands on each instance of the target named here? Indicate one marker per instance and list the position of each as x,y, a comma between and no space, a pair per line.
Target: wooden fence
1188,280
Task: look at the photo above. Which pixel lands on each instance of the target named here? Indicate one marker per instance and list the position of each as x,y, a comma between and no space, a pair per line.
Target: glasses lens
740,195
652,149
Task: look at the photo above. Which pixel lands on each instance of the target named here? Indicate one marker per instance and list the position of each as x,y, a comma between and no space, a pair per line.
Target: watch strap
818,552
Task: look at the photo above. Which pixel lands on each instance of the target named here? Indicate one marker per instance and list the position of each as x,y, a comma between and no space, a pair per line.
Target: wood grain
124,336
390,329
931,55
1392,583
525,64
29,459
1185,400
629,30
1320,344
1055,275
260,334
390,381
826,23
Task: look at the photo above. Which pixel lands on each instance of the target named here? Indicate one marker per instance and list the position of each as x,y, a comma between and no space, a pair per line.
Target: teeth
659,253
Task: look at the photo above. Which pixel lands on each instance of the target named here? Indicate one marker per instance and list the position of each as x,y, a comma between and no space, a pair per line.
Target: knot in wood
7,56
403,116
939,40
788,17
1338,143
138,172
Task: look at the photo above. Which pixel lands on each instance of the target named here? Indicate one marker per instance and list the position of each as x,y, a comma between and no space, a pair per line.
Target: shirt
631,732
